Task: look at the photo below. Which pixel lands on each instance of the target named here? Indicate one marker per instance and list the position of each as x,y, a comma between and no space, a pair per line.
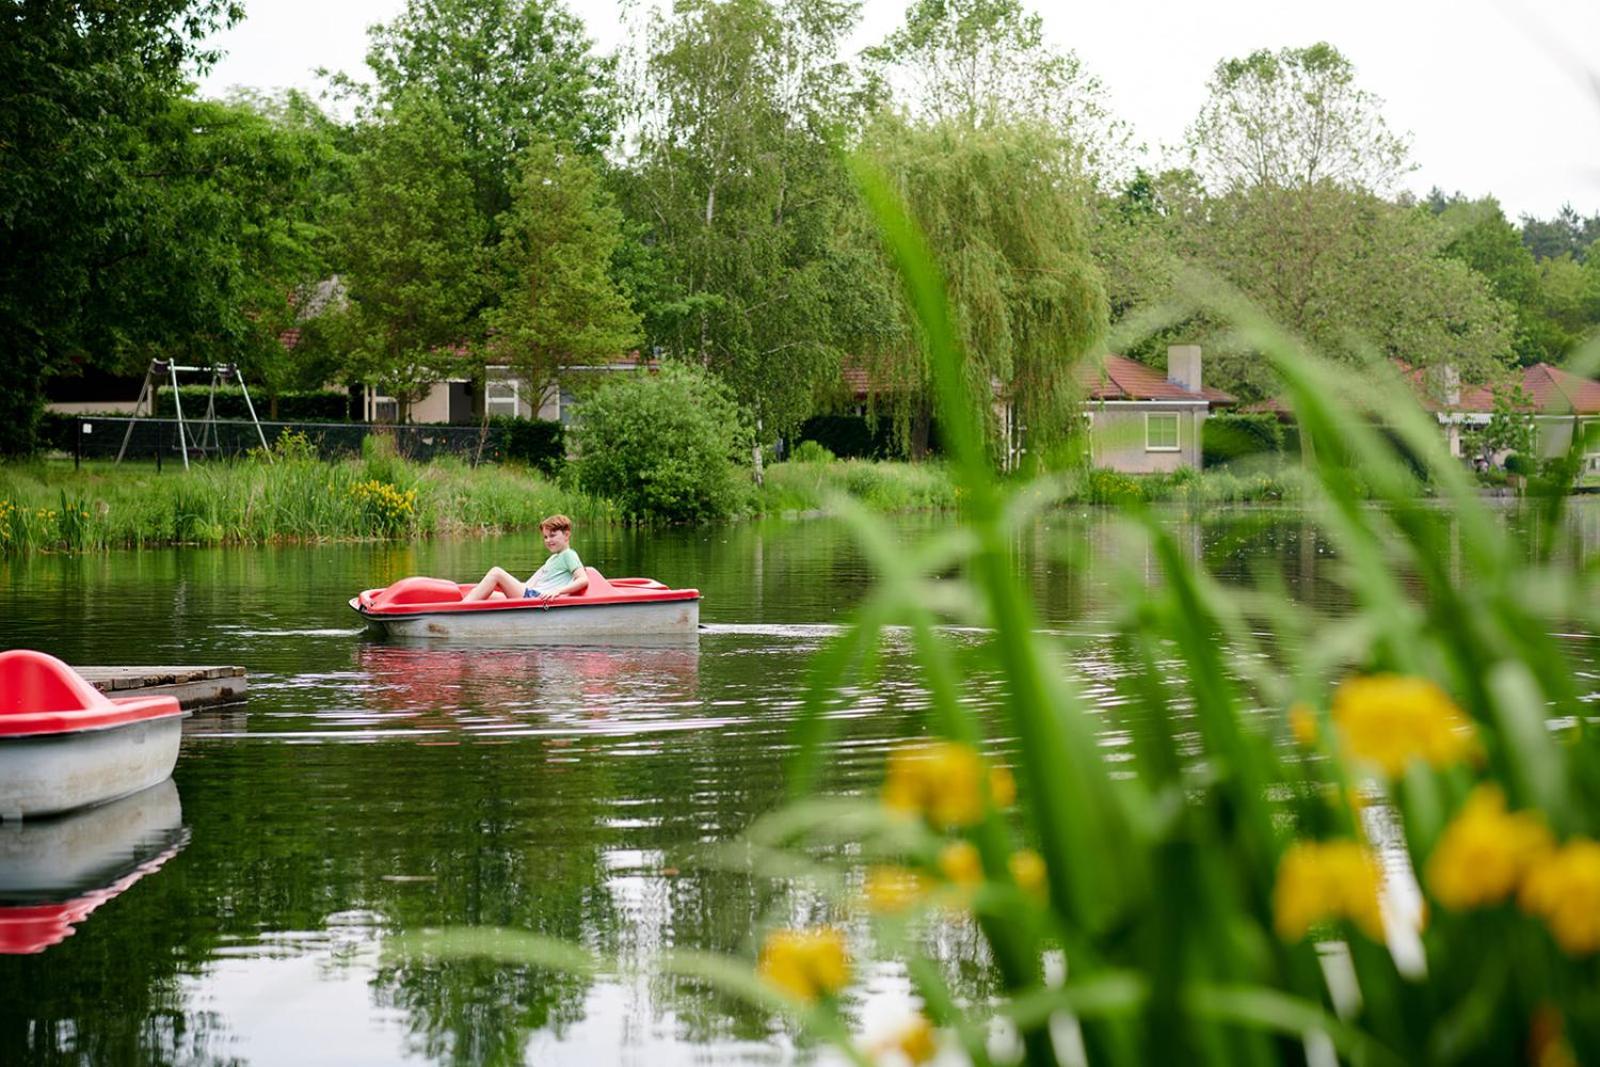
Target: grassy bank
49,506
885,487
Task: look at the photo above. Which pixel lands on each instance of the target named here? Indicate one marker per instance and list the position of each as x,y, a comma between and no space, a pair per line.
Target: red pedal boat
65,745
615,608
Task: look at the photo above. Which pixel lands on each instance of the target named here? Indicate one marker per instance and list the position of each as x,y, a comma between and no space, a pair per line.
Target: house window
500,396
1161,431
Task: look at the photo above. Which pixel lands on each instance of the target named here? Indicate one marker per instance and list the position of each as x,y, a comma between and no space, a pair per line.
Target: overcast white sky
1495,93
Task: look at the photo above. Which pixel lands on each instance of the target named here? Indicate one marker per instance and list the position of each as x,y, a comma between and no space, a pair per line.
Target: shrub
811,452
1517,463
539,443
1225,438
667,446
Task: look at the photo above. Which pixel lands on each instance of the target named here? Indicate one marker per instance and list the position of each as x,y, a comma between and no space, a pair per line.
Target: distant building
1561,403
1143,423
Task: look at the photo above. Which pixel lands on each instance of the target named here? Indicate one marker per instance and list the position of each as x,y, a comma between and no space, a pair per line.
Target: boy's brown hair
558,523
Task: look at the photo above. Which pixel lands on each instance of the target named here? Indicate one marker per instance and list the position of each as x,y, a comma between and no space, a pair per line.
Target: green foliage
669,446
139,221
296,497
1293,119
1510,428
817,485
983,63
1556,298
412,241
1225,437
758,265
536,442
1000,206
811,452
1565,234
1345,270
556,299
506,74
1521,463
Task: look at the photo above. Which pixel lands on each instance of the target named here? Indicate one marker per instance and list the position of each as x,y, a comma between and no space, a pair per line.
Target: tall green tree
556,298
736,187
412,244
1294,118
81,210
1348,271
986,62
1003,215
1565,234
506,73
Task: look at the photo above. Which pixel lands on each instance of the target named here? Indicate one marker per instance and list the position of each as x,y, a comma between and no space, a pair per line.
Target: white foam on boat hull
43,774
578,622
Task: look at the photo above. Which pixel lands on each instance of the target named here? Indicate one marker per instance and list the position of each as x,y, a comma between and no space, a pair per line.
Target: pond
240,914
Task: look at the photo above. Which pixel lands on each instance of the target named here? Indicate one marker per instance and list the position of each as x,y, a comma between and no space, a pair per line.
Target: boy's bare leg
496,580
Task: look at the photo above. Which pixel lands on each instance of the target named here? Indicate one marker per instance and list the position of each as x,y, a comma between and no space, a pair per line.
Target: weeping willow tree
1004,212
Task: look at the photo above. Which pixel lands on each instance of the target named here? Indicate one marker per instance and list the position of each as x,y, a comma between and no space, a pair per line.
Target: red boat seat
33,681
41,695
418,591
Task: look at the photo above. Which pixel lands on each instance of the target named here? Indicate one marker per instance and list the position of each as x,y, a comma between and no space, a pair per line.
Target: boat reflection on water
594,679
54,872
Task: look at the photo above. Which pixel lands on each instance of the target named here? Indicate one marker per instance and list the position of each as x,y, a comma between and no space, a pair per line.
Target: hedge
1225,438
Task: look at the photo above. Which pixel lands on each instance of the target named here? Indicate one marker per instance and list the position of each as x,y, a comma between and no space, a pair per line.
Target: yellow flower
917,1042
1389,720
1563,888
890,890
1321,881
1303,724
1028,871
806,964
1485,852
943,781
1002,787
960,863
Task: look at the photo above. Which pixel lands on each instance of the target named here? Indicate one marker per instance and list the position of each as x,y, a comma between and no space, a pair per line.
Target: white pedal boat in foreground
65,745
616,608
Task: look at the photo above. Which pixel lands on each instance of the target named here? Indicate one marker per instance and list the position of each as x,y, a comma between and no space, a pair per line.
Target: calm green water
369,788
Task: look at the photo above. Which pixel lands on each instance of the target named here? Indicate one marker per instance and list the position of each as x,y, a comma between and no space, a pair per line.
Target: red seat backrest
598,586
33,681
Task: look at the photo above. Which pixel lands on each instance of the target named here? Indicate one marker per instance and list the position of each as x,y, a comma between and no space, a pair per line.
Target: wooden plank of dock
195,687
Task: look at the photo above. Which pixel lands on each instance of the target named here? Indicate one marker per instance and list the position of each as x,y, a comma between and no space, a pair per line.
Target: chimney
1450,382
1183,367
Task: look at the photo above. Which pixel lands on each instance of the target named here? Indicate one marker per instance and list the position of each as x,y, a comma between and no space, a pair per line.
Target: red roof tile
1121,378
1552,390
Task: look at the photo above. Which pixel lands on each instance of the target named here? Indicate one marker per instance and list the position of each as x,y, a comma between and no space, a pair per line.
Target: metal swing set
163,373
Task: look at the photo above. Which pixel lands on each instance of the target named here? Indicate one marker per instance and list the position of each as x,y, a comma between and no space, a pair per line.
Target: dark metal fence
93,437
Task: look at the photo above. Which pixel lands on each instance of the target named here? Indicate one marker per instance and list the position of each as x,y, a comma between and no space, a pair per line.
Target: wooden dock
195,687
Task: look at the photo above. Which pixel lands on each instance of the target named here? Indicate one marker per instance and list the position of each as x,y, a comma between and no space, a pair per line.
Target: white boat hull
60,858
575,623
44,774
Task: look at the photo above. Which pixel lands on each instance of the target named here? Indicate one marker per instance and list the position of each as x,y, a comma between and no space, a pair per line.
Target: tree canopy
1294,118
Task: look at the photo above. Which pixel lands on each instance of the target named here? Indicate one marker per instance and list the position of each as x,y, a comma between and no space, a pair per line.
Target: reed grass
1410,790
296,498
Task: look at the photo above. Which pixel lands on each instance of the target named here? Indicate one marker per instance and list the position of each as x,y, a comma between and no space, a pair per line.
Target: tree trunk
755,456
920,429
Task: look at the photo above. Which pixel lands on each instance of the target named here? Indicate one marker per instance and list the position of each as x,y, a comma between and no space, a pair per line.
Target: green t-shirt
559,570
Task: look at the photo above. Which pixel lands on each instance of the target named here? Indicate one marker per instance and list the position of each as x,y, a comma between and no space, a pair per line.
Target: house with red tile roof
1144,422
1560,402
